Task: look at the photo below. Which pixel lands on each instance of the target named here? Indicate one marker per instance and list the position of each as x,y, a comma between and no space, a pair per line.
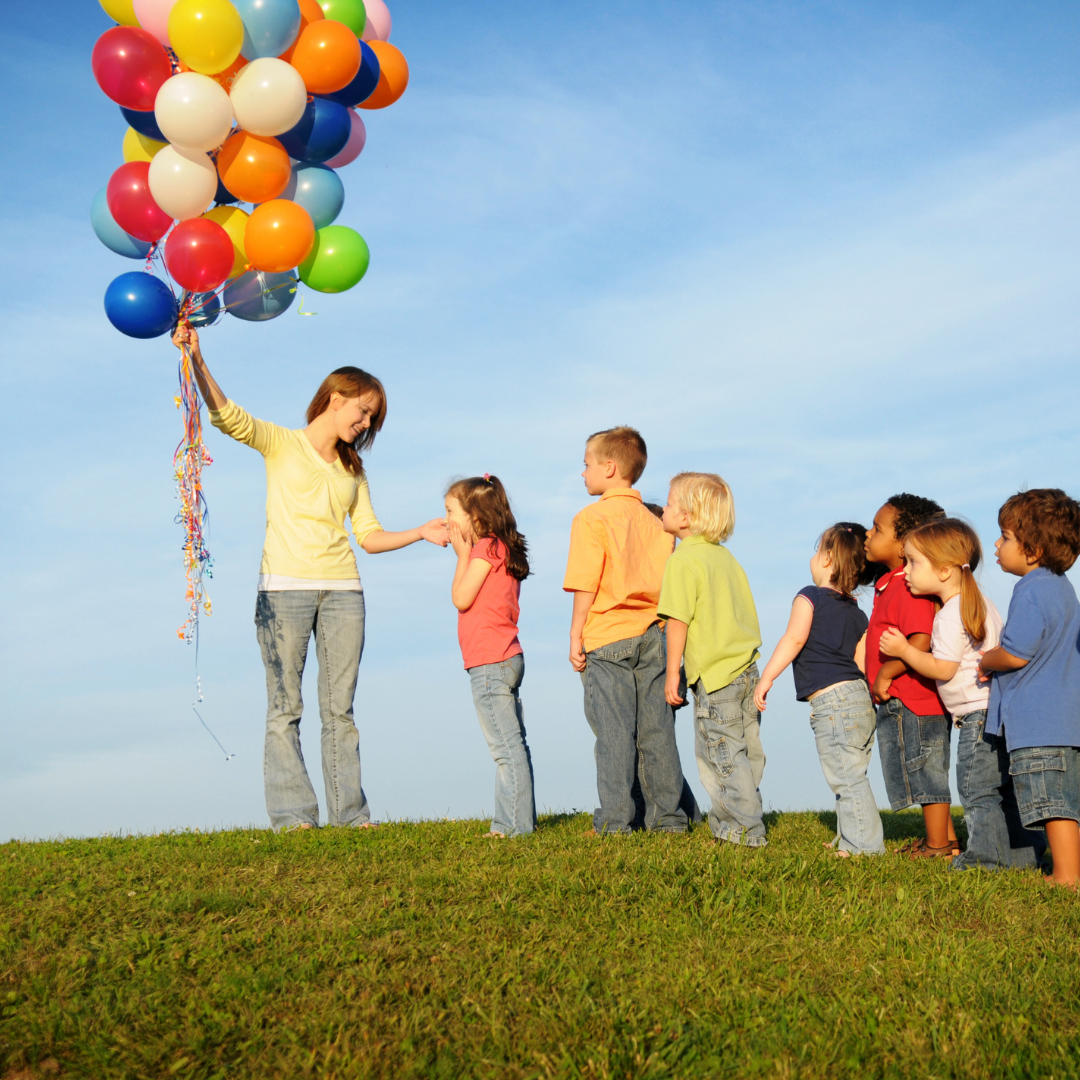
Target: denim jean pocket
858,726
1044,761
1039,779
614,651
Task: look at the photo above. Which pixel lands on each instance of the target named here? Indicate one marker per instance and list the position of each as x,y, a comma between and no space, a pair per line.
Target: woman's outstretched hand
434,531
186,334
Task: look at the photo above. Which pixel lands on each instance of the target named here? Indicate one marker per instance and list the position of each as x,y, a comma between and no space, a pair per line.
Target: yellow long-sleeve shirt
307,501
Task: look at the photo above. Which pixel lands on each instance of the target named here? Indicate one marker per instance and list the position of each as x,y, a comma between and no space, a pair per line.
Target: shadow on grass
553,821
899,824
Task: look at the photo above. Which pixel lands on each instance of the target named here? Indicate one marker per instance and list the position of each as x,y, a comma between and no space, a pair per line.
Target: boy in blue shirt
1035,695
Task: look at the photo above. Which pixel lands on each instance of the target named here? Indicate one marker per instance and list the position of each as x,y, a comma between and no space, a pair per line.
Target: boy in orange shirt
616,565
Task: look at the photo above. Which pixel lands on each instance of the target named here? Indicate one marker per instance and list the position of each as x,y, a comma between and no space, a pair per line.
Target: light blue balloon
318,189
257,295
110,234
206,309
270,26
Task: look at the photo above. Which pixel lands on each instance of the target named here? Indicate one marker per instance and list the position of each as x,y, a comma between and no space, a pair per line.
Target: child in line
711,617
492,562
1035,693
913,731
825,641
940,560
614,569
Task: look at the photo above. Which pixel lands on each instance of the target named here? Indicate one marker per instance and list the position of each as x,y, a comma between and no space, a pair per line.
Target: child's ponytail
844,544
953,544
485,500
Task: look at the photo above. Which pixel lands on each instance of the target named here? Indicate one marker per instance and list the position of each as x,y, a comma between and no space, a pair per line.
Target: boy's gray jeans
635,734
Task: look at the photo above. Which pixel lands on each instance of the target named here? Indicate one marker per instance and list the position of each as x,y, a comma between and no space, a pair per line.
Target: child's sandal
922,850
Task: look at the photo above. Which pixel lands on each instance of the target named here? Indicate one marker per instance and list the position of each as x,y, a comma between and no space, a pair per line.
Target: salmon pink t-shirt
488,632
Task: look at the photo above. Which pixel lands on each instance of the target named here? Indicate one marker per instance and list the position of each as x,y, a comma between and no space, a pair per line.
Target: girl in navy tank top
825,642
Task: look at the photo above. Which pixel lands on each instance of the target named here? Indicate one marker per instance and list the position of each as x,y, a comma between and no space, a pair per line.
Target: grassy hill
428,950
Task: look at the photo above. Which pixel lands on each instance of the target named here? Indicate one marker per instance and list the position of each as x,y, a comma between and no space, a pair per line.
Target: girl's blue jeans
843,721
285,622
495,689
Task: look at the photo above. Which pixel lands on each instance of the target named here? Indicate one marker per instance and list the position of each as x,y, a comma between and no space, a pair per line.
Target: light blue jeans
843,721
495,689
727,745
285,622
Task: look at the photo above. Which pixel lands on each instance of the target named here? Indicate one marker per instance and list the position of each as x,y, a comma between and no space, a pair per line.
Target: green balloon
337,261
349,12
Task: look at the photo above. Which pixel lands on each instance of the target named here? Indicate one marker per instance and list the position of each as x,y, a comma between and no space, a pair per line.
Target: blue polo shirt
1039,705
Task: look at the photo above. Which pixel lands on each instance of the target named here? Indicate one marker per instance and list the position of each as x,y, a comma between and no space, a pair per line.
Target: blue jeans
635,734
843,721
498,707
914,755
996,837
284,623
730,760
1047,781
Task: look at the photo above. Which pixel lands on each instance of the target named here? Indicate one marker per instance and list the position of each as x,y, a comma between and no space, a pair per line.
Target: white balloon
268,96
193,111
377,27
153,15
183,182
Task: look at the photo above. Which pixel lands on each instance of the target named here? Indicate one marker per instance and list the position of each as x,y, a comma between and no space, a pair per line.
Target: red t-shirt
895,606
488,632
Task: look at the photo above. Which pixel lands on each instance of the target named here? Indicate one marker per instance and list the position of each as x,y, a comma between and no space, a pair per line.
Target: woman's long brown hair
351,382
953,543
485,500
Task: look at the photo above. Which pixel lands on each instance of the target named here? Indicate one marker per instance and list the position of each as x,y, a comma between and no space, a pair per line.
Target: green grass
429,950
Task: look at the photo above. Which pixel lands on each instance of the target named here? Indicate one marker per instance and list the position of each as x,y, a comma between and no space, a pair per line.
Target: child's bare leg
952,829
1064,837
938,822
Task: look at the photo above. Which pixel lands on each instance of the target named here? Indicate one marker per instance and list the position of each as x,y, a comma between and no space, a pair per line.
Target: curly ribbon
193,515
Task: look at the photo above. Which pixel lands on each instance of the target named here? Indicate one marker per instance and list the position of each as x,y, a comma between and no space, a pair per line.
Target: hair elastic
965,567
487,477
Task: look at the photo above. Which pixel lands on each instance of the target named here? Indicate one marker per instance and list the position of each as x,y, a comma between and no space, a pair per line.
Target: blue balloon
223,194
363,85
318,189
111,235
322,132
258,295
270,26
141,305
145,123
206,309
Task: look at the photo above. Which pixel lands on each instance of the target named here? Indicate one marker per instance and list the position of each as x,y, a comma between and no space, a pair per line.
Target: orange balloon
278,236
327,55
254,168
310,11
222,78
393,76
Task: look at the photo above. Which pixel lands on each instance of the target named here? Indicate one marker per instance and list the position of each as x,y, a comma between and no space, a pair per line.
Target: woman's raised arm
211,392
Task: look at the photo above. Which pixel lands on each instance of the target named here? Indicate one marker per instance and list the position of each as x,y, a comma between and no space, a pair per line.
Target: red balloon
131,204
199,254
130,65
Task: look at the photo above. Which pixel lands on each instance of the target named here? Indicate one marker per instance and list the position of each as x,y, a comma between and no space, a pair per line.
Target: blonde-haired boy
711,616
614,569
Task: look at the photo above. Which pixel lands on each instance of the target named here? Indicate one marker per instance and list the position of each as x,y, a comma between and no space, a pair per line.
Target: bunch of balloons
250,101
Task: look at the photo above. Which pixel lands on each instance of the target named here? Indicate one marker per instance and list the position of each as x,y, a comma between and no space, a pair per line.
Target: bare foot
841,854
1053,883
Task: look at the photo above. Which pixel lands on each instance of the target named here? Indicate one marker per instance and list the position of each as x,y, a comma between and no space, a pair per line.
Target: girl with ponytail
941,560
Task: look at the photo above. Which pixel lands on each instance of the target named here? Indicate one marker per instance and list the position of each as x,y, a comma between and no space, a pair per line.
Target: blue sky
827,250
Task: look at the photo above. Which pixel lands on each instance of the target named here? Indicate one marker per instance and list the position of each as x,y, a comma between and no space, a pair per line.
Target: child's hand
982,676
460,545
577,654
893,642
672,688
880,690
434,532
761,691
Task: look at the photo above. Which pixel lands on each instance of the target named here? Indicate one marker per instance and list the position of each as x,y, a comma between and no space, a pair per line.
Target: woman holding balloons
308,582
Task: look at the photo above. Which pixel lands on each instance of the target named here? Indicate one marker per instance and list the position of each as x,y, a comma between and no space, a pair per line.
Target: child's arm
469,574
998,659
675,635
891,669
893,643
860,654
583,601
787,648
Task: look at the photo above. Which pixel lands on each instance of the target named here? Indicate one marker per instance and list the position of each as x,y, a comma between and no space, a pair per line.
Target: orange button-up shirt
617,550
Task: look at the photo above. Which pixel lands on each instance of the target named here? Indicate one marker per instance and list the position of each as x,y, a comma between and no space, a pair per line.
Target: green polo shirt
706,588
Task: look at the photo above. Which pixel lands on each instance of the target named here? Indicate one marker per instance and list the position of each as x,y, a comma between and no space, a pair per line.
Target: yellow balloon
120,11
207,35
234,221
140,147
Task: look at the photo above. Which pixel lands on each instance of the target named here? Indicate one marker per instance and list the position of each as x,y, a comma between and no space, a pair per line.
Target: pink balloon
153,15
351,150
378,21
130,65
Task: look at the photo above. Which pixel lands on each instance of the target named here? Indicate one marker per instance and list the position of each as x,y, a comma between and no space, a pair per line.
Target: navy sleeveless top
829,653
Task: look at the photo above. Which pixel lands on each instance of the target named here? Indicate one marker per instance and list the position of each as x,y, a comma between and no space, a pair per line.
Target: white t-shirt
963,694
